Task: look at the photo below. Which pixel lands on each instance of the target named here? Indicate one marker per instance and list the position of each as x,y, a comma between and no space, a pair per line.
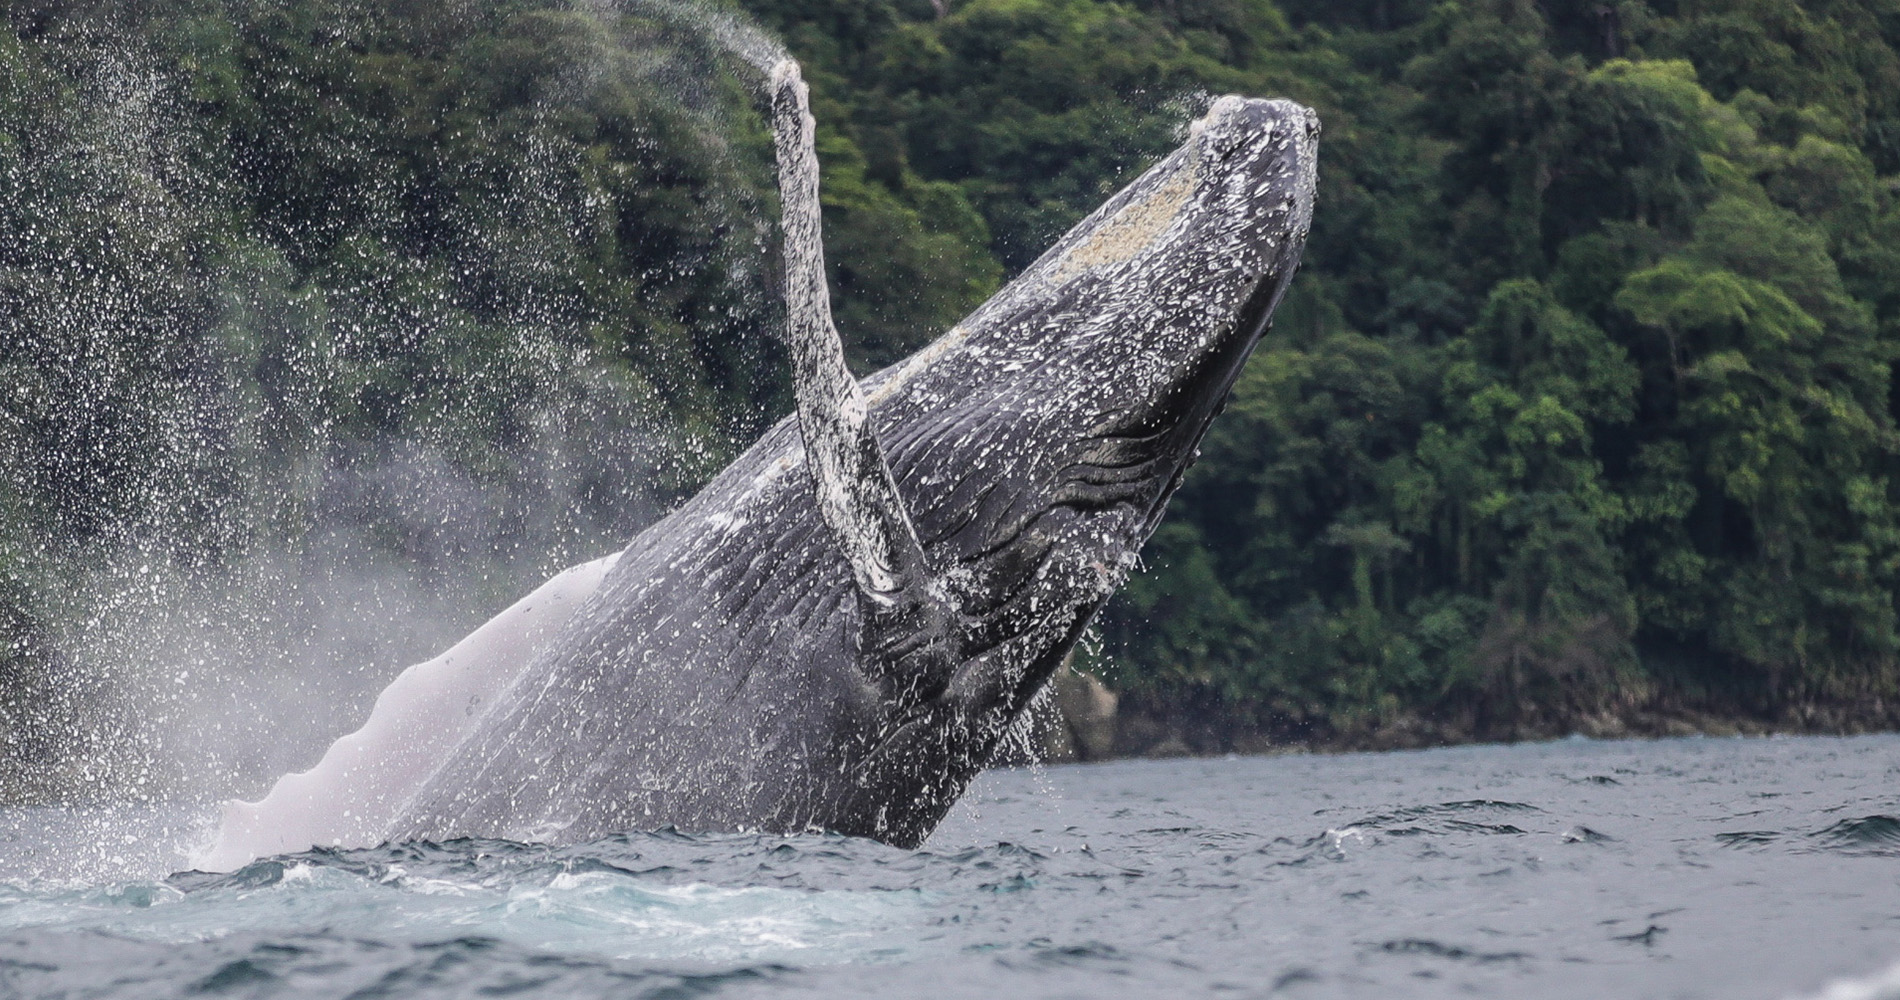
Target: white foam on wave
352,795
1884,985
609,914
604,914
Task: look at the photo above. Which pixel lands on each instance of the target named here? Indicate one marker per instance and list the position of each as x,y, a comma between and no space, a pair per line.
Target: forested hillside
1581,415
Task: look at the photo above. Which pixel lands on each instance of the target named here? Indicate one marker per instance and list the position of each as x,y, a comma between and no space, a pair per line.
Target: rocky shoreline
1086,720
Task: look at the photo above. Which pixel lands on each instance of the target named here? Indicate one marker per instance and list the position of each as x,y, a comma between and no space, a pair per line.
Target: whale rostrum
839,629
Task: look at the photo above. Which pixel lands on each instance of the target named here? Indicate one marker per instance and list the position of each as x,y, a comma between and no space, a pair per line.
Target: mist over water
271,488
1732,868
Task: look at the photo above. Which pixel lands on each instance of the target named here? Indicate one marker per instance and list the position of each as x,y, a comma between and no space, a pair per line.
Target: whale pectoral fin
857,495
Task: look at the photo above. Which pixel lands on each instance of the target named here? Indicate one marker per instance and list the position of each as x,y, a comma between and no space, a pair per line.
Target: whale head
1038,442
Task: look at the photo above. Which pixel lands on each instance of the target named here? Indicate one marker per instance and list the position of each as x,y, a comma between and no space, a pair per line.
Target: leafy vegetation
1580,416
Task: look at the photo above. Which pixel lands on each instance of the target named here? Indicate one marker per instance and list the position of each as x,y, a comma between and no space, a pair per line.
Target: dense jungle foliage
1580,416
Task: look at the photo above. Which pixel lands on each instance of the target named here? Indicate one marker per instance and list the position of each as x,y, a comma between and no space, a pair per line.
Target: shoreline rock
1121,726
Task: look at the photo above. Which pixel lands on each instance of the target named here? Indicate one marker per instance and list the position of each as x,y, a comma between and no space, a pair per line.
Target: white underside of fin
352,795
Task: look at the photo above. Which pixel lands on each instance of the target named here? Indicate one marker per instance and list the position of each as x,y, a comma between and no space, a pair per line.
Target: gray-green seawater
1683,868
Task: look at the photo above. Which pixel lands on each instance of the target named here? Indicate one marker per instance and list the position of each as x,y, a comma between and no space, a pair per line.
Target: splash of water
367,778
732,31
238,570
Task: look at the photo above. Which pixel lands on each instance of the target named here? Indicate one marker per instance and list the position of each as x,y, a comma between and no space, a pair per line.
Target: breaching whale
839,629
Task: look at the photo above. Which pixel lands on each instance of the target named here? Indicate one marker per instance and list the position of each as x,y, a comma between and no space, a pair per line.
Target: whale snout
1258,160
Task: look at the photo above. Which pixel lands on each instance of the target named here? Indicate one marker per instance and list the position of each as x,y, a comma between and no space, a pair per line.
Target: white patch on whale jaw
1133,229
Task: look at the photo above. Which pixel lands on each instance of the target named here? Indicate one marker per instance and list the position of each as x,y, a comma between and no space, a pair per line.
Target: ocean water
1725,868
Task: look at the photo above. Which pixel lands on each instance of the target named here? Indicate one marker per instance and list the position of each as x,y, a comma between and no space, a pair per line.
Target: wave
663,896
1883,985
1861,835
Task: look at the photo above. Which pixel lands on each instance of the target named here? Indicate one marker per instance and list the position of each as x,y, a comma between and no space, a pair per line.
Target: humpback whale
839,629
